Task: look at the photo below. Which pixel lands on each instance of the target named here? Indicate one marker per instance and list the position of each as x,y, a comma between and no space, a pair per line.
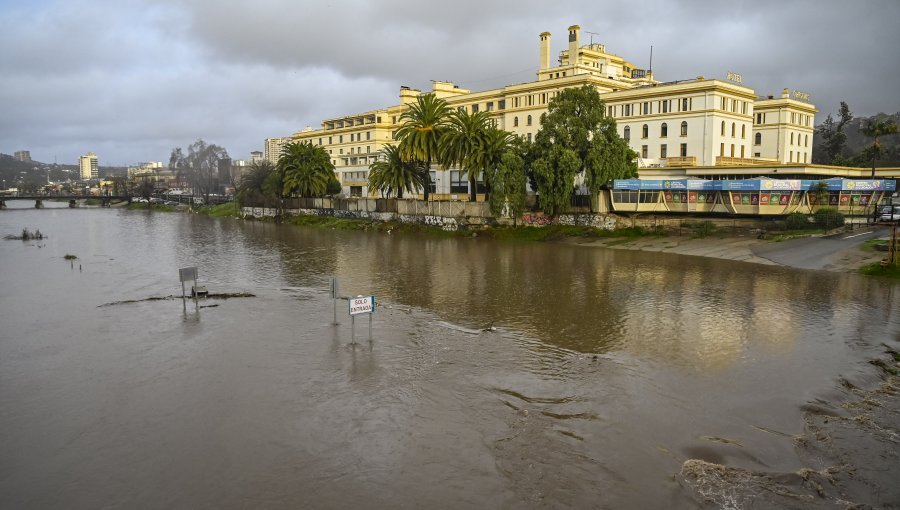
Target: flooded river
601,376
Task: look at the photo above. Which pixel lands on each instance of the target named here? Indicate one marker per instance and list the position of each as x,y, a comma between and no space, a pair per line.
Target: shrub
796,221
828,218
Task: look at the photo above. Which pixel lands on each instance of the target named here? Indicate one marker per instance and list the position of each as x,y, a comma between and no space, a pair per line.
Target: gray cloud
130,80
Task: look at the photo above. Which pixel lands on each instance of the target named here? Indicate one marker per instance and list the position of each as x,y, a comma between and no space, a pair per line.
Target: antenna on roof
592,36
651,59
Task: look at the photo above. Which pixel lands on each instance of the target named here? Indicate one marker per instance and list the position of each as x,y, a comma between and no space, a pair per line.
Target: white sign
735,77
188,273
362,304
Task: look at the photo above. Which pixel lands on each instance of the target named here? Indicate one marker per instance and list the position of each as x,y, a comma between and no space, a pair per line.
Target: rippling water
605,372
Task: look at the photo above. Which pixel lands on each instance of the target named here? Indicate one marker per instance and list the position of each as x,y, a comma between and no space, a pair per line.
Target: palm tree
424,122
489,153
305,169
390,173
874,129
252,189
460,142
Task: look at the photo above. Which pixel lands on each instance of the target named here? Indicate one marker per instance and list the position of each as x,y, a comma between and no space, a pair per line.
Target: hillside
857,143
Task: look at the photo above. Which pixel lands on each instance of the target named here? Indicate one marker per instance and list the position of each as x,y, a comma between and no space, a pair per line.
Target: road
815,252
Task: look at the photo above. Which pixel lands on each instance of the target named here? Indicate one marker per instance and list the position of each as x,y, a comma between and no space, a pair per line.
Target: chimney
786,93
573,44
545,50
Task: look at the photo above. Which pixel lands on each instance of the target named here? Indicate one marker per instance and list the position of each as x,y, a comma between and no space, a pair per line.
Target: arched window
515,122
627,133
723,122
684,128
645,131
743,131
758,139
732,130
664,130
792,138
806,144
529,120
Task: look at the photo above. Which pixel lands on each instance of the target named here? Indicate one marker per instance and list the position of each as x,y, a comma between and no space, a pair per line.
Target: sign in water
362,304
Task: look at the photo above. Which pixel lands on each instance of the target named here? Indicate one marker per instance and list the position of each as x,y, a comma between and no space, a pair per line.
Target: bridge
105,200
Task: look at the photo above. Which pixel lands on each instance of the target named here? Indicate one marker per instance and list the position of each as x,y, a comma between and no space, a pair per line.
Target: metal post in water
370,326
334,297
353,330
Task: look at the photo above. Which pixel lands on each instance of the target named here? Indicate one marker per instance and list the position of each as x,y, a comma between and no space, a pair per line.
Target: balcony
729,161
682,161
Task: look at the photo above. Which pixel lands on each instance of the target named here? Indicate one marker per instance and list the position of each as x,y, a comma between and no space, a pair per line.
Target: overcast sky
131,79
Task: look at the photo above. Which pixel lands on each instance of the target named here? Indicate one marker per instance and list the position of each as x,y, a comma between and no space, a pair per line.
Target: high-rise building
23,156
89,167
273,148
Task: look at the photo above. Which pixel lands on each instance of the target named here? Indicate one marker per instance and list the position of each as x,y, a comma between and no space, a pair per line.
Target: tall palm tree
305,169
489,153
391,173
423,124
460,144
874,129
251,189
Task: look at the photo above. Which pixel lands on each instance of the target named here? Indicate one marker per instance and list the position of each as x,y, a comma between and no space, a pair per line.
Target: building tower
89,167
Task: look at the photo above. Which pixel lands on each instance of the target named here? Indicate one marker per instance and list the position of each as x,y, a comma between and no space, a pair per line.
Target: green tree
390,173
305,169
577,137
200,166
508,180
252,189
462,142
423,124
874,129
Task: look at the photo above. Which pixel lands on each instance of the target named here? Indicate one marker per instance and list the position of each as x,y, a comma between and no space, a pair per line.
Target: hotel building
89,167
704,126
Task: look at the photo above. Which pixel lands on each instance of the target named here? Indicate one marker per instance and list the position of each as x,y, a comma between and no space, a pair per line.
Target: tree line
576,147
857,142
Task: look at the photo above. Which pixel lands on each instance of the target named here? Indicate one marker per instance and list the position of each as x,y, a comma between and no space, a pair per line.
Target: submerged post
334,298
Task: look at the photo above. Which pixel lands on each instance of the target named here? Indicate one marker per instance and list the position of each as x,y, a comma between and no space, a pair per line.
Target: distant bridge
105,200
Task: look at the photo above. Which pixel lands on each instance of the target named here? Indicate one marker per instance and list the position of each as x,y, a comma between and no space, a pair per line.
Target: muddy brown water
606,374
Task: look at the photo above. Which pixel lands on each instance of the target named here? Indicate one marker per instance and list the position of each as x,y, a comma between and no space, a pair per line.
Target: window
791,159
627,133
645,131
684,128
743,131
647,109
329,140
320,141
806,141
489,106
684,150
341,139
432,182
722,149
723,107
475,108
342,151
685,104
368,135
461,108
368,149
732,130
757,139
529,137
515,121
664,130
458,182
528,120
501,104
792,138
644,151
732,150
665,106
742,151
663,151
626,112
723,128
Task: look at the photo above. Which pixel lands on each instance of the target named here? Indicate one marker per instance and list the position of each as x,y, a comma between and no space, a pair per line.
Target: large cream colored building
273,148
699,122
89,166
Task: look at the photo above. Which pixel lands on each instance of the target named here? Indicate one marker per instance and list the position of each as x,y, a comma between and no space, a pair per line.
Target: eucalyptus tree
508,180
305,169
577,137
200,165
391,174
423,124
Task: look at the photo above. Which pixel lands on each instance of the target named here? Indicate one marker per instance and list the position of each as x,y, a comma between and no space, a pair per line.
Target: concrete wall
449,215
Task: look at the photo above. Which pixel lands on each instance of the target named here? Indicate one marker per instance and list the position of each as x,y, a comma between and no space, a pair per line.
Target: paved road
815,252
